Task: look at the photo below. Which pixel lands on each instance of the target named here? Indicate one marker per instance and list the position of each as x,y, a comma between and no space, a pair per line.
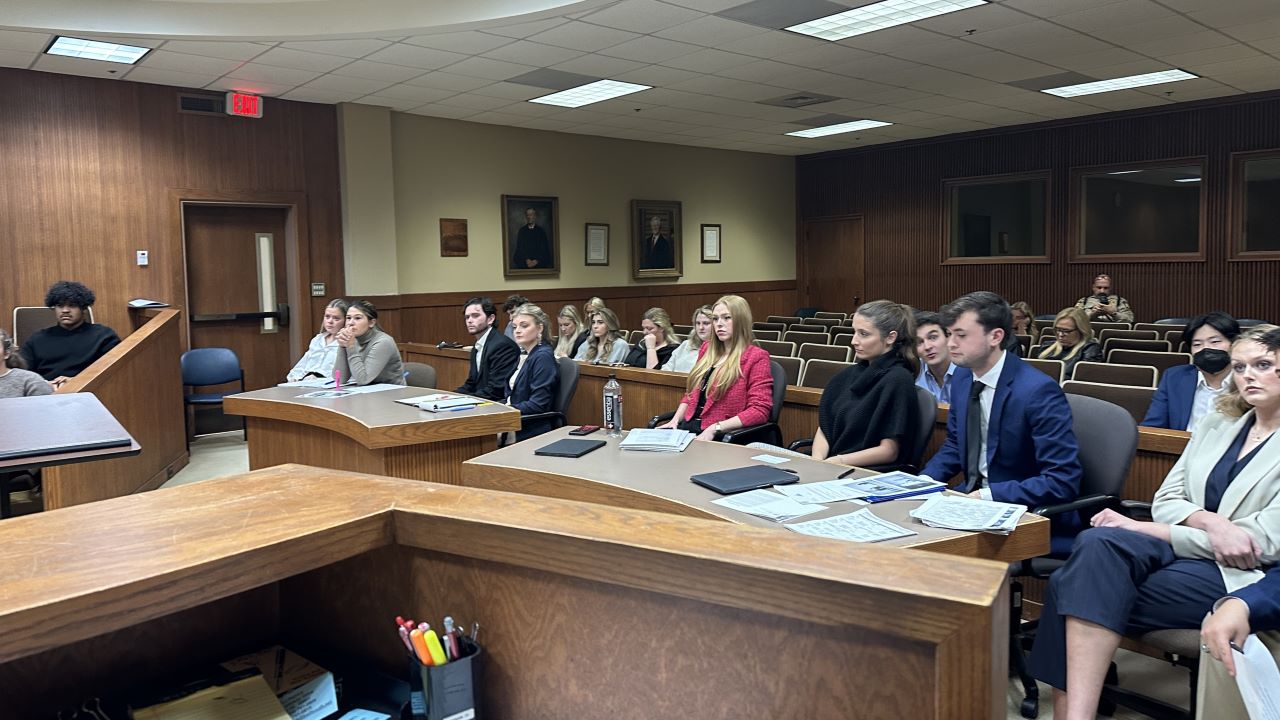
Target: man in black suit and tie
656,250
493,355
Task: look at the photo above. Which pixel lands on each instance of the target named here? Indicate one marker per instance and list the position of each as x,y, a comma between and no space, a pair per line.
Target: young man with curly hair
61,352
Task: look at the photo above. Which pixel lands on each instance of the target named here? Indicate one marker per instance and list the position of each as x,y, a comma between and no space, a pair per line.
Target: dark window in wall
1145,211
996,219
1261,231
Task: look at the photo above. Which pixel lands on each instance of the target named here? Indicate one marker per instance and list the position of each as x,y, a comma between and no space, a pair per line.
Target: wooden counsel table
367,432
587,611
59,429
660,482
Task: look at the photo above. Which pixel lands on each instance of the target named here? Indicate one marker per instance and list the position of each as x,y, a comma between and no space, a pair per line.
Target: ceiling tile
1039,39
583,36
526,109
33,41
710,31
524,30
16,58
1113,15
532,53
1087,63
255,87
299,60
656,76
415,56
511,91
378,71
600,66
490,69
272,74
444,111
1000,67
1054,8
1189,61
413,93
708,61
544,124
304,94
873,67
380,100
885,41
340,84
157,76
824,56
758,71
1236,12
650,49
1165,28
80,66
477,102
983,17
353,48
226,50
448,81
642,16
773,44
196,64
1261,29
467,42
727,87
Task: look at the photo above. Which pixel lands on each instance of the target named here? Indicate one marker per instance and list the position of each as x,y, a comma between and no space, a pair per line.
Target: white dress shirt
1204,399
985,401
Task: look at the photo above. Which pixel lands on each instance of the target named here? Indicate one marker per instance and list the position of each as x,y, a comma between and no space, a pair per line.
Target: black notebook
751,477
569,448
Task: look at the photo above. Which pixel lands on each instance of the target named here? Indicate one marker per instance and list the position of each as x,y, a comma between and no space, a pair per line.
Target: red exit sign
244,105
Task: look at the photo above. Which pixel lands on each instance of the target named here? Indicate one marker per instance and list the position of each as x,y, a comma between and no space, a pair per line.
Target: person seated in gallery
1073,342
653,351
684,356
605,345
1187,392
573,332
322,353
61,352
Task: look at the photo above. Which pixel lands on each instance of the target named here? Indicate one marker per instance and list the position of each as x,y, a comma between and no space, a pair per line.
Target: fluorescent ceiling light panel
94,50
595,92
840,128
1187,180
878,16
1123,83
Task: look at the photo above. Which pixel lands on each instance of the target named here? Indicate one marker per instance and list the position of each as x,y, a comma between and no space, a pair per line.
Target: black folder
569,448
751,477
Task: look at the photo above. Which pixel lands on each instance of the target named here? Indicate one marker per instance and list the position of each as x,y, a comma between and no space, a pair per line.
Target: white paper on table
309,383
379,387
1258,679
362,714
827,491
767,504
313,701
771,459
964,513
857,526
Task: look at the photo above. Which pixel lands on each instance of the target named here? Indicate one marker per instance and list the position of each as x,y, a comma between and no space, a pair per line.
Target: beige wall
448,168
368,199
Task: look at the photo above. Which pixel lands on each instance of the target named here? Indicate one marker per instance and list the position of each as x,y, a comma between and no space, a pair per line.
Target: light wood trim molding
108,365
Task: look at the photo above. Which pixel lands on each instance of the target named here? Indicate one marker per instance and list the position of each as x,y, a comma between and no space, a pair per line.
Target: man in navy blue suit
1188,392
1009,429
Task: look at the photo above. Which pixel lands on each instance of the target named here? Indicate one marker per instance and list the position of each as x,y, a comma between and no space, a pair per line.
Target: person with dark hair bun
61,352
1187,392
368,355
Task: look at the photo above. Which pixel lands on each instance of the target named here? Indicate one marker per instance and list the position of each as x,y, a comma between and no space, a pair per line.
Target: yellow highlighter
435,648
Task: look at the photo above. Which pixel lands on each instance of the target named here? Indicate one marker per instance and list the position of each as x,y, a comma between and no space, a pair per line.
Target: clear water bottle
613,406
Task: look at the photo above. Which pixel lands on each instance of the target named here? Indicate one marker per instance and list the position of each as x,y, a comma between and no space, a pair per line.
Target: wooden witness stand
587,610
140,383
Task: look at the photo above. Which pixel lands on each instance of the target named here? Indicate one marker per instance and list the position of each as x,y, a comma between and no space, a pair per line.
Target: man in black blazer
493,355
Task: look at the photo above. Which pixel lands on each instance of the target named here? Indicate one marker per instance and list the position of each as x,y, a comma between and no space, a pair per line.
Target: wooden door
831,264
226,245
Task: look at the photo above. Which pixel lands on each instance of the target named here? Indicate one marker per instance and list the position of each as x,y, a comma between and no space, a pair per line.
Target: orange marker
420,647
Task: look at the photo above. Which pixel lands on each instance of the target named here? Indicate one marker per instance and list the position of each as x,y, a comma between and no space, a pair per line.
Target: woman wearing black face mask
1187,392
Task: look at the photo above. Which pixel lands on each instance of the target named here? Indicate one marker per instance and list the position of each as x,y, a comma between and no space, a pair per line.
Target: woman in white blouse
323,350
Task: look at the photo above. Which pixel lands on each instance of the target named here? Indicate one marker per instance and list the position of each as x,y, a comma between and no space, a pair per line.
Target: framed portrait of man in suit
656,242
530,236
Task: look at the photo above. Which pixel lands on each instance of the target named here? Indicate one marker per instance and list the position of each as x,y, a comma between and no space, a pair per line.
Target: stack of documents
440,402
768,505
657,440
889,486
965,513
858,526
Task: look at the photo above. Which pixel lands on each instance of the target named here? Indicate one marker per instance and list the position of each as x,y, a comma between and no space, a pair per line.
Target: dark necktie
973,444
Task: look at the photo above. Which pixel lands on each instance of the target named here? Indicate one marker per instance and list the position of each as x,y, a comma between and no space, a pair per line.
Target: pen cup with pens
443,671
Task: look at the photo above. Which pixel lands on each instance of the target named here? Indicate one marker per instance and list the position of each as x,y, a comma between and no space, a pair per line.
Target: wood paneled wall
897,189
432,317
90,166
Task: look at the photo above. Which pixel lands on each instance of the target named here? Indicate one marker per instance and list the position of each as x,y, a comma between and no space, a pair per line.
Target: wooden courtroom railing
587,610
140,382
651,392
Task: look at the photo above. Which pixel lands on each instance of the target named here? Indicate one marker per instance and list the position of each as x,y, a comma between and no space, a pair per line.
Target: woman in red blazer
730,386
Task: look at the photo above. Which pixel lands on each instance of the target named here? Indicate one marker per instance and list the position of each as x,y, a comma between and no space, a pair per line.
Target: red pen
337,379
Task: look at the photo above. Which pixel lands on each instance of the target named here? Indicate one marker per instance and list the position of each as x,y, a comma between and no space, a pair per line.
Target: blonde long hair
565,344
726,355
659,317
694,341
1232,403
602,347
1082,324
539,317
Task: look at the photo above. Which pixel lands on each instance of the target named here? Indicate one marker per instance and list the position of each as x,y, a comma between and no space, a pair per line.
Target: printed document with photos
857,526
956,512
887,486
768,505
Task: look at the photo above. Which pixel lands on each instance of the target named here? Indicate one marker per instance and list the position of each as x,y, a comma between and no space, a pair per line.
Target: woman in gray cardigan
367,354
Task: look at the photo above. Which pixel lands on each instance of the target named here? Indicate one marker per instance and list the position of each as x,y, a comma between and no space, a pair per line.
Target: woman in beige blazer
1216,522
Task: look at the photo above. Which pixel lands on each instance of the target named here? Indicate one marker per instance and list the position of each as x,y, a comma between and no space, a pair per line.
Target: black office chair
768,432
928,411
1108,438
568,375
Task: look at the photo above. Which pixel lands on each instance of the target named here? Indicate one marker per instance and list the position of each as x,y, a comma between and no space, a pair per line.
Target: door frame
803,297
297,252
